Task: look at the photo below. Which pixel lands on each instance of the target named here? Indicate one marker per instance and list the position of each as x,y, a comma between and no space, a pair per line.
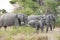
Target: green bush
58,21
29,7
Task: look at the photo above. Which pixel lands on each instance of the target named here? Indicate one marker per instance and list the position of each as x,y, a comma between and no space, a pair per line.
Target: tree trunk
40,2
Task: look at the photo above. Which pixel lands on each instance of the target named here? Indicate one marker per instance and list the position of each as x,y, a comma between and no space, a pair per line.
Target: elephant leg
42,27
47,28
50,25
5,27
24,20
37,29
19,21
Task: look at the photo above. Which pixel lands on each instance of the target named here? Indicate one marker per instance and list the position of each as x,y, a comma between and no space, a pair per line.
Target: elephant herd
35,21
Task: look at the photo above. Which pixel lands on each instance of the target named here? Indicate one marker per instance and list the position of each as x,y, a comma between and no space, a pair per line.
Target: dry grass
31,37
27,33
38,37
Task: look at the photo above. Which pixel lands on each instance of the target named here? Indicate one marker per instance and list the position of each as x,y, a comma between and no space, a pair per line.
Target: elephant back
8,19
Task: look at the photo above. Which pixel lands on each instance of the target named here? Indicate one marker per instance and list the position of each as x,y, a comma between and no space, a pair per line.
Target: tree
40,2
4,11
29,7
12,2
36,6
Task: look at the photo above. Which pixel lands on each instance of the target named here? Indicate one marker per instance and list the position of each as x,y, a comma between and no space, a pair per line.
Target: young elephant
36,21
8,20
34,24
23,18
42,23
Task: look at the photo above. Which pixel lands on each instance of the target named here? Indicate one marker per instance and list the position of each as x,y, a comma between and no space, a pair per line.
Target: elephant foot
5,27
37,31
47,30
51,30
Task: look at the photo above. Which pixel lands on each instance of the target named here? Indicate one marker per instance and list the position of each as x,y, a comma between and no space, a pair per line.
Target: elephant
42,21
52,18
9,19
34,24
34,17
48,22
37,21
38,24
23,18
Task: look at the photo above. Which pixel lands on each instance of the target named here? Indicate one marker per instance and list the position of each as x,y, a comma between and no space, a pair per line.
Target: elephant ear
16,22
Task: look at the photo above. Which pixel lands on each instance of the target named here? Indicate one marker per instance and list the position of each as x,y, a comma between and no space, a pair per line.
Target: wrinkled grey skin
43,20
48,23
23,18
36,21
8,20
53,19
38,24
49,19
34,17
42,23
34,24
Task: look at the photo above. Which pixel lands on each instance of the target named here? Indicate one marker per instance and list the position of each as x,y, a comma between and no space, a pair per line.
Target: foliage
58,20
30,7
52,4
4,11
